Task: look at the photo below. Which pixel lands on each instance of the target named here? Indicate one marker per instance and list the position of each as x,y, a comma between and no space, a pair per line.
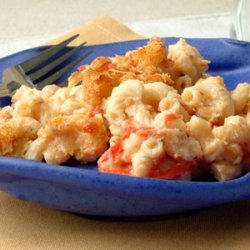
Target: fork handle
4,92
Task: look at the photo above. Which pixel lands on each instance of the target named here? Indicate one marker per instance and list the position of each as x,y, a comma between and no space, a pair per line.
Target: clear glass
240,28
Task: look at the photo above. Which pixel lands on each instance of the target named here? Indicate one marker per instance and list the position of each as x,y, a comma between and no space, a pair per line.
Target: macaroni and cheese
153,112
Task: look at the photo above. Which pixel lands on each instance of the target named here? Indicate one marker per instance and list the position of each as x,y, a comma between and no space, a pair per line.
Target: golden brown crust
148,64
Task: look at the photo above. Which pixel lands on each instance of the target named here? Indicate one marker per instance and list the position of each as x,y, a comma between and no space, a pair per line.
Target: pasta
188,64
53,124
209,99
241,97
153,112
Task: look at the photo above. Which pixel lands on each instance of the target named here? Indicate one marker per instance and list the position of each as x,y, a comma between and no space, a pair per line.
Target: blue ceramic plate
82,189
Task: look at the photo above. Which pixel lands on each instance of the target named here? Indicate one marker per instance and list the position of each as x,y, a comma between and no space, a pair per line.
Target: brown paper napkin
29,226
103,29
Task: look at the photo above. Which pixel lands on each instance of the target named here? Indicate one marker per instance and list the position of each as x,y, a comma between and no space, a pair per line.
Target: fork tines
35,74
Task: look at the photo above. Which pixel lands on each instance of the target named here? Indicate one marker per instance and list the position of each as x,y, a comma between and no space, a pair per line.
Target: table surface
45,228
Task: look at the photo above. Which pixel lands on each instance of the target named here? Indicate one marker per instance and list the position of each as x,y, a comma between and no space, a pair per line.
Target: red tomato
123,169
108,66
112,66
95,111
129,128
177,171
171,117
89,127
113,157
83,67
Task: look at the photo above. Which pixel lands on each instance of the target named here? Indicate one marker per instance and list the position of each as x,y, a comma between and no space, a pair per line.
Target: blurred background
27,23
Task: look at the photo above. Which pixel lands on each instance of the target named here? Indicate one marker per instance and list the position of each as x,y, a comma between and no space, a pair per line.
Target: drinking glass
240,28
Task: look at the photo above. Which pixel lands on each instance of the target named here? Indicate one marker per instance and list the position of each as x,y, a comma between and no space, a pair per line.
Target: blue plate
82,189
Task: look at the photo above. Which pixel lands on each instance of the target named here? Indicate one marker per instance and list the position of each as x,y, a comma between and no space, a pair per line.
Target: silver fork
30,74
